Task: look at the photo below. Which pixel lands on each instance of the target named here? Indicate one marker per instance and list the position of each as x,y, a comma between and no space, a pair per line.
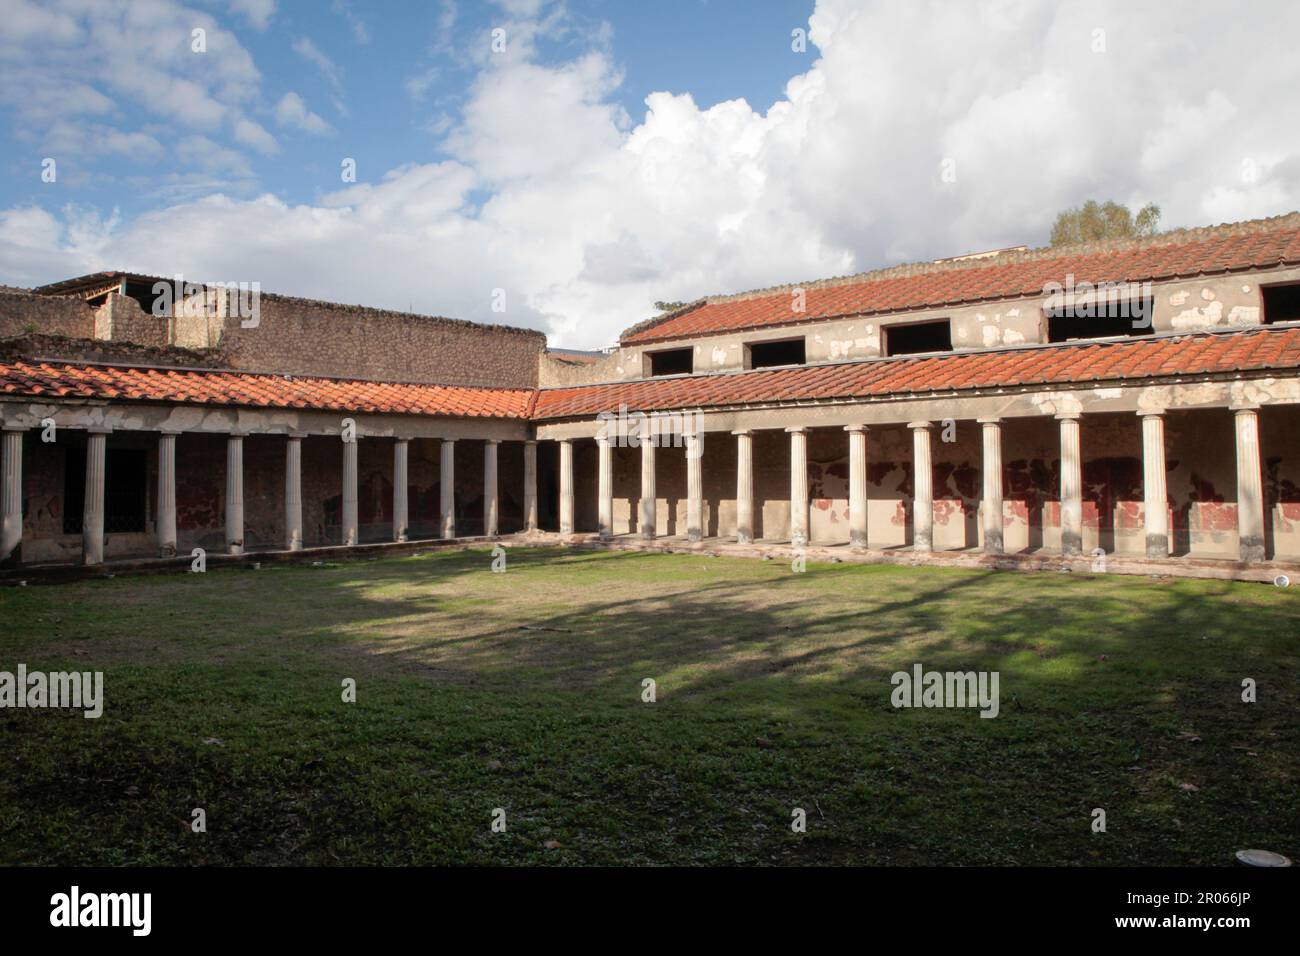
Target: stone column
447,483
857,485
166,517
1071,484
605,492
1155,494
491,503
1250,487
922,488
235,494
92,517
647,487
695,485
798,486
293,492
401,483
530,486
566,486
351,524
11,492
992,498
744,486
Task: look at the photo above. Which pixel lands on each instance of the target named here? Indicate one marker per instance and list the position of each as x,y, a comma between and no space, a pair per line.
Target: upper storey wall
1223,301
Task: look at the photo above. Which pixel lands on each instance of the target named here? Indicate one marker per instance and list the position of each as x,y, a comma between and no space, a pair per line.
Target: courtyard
524,692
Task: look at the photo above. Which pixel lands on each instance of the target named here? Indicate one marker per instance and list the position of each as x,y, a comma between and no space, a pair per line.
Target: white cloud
256,12
291,111
586,217
310,52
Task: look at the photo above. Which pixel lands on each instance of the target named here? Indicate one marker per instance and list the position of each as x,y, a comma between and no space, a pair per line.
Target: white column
857,485
695,484
922,488
744,486
165,520
491,503
235,494
647,486
1155,494
401,512
530,486
351,524
1071,484
447,485
605,492
798,486
1250,487
92,517
991,503
566,486
11,492
293,492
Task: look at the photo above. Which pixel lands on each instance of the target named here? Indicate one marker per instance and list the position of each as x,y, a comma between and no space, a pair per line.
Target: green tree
1104,220
669,306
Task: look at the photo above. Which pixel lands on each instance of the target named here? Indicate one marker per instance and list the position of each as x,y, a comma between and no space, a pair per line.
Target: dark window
672,362
1281,303
1111,319
767,354
918,337
125,490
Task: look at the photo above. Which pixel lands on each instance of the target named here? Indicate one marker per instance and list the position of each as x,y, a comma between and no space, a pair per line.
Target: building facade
1135,400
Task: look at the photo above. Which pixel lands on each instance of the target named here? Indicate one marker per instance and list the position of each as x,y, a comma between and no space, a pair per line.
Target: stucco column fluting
647,485
166,517
401,511
447,487
293,493
857,485
491,504
922,488
1155,494
530,485
798,486
11,493
992,498
92,517
350,520
566,486
1071,485
1250,487
695,484
605,488
744,486
235,494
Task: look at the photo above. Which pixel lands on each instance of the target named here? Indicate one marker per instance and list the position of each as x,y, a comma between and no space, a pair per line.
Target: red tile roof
57,379
1192,354
1051,364
1255,245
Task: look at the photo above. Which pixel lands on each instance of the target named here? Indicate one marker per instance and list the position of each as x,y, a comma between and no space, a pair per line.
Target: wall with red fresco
1279,439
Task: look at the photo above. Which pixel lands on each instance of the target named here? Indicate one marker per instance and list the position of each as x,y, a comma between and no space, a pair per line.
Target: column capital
14,427
856,428
492,441
296,436
602,441
743,431
173,432
530,441
447,441
1068,416
797,429
100,430
403,439
240,434
989,421
1145,413
920,424
1244,407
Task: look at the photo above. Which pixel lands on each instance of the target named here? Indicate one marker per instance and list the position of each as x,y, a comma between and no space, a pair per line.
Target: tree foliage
1104,220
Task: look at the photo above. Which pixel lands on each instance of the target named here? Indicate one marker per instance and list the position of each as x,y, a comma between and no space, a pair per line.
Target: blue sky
615,153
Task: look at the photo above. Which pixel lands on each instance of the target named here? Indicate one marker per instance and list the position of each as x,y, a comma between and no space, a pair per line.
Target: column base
1252,550
234,548
167,551
744,537
1071,543
858,540
993,542
1157,546
694,534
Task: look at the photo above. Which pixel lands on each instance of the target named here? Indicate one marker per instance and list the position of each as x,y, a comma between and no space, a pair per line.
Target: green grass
522,690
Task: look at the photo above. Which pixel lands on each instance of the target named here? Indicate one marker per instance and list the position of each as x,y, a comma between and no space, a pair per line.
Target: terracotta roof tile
1051,364
936,285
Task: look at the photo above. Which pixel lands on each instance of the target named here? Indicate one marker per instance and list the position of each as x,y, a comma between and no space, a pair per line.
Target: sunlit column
293,492
1155,493
744,486
530,485
1071,484
992,498
566,486
11,493
447,485
922,488
351,522
1250,487
491,502
235,494
605,490
695,484
401,481
647,486
92,520
857,485
166,516
798,486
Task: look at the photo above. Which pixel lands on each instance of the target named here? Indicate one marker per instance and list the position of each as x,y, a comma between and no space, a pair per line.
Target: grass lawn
523,691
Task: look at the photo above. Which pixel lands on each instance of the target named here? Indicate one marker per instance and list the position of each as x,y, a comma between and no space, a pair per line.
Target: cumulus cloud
291,111
585,216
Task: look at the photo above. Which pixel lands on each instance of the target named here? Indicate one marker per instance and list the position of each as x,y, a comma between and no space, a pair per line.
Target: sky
564,164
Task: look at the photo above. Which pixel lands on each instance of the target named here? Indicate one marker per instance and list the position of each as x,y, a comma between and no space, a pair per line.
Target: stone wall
23,313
